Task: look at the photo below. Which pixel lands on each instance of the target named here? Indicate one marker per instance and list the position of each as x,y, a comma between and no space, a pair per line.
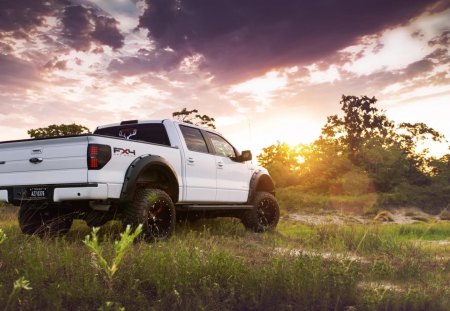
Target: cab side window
153,133
194,139
221,146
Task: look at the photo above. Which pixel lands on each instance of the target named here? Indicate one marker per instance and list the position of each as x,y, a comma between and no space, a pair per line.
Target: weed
3,236
111,306
19,285
121,246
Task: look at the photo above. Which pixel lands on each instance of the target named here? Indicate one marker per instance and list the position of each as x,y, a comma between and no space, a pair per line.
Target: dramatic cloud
82,26
24,15
106,32
77,27
443,39
244,37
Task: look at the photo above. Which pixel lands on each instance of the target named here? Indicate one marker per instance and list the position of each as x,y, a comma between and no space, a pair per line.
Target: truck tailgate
49,161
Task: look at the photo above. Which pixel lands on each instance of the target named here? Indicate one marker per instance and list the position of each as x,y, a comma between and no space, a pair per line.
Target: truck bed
62,163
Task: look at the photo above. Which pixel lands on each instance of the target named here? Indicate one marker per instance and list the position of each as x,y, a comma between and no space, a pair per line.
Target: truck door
200,167
232,177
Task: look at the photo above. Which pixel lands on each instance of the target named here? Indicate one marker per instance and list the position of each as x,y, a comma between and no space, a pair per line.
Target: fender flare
142,164
260,181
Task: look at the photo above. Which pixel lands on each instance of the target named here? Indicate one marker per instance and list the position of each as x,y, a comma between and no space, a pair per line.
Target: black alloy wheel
154,209
265,213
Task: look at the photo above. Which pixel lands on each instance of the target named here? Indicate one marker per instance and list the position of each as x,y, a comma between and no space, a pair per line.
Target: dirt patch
399,216
297,252
381,286
312,219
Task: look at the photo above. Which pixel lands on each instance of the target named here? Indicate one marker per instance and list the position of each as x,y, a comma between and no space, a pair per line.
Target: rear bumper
59,193
99,192
4,196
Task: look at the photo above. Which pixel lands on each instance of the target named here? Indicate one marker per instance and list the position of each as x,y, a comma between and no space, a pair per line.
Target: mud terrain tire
265,213
154,209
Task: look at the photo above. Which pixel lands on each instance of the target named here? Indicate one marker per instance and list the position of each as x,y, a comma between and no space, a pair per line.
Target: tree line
363,151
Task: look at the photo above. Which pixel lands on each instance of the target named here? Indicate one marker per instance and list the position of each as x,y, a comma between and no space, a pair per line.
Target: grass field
218,265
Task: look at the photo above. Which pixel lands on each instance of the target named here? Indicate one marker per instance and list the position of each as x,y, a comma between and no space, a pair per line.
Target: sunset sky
266,70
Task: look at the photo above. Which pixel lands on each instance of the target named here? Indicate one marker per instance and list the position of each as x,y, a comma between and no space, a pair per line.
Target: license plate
37,193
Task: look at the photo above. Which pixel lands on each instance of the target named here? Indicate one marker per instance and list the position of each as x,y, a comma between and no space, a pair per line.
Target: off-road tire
43,221
154,209
265,213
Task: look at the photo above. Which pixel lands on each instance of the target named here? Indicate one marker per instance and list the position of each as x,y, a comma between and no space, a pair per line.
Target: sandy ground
400,216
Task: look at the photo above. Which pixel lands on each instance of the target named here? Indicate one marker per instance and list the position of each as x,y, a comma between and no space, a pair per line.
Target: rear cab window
154,133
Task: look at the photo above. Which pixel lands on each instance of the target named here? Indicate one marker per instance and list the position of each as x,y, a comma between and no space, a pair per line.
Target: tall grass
218,265
294,199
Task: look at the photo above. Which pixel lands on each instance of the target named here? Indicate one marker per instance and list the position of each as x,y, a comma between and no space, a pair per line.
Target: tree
58,130
279,152
282,162
192,117
361,124
411,136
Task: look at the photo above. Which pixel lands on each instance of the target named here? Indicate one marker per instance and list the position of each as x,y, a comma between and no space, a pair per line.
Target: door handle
36,160
190,160
219,164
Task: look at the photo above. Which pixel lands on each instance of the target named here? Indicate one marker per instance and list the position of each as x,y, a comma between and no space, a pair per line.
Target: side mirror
246,155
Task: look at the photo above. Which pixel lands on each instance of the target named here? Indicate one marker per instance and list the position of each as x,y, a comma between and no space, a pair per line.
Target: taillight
98,156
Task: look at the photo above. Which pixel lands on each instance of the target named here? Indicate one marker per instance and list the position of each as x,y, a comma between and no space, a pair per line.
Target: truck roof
129,122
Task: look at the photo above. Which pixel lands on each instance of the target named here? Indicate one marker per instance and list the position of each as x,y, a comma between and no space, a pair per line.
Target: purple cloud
82,26
77,27
245,37
107,33
25,15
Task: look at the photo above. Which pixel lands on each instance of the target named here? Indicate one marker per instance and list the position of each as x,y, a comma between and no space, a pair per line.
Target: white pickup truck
141,172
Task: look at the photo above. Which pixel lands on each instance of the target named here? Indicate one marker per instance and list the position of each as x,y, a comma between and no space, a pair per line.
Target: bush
432,198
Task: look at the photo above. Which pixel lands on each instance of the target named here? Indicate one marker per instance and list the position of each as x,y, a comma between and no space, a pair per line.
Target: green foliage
111,306
58,130
361,124
121,246
192,117
3,236
363,151
282,161
295,199
19,285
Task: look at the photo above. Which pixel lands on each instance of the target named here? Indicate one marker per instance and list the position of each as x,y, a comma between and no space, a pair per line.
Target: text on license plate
37,193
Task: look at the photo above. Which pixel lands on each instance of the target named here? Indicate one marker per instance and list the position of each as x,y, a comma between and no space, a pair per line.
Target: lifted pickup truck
140,172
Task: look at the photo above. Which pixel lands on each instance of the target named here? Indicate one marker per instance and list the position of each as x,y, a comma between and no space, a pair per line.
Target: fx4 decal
124,151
